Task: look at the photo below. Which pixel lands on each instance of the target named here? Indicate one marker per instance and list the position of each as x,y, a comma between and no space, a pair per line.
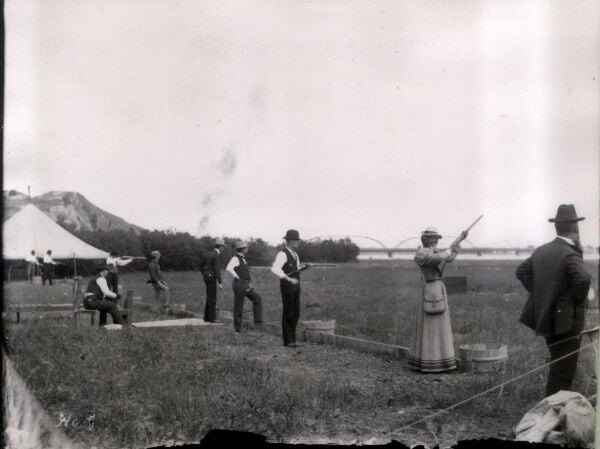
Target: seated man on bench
99,297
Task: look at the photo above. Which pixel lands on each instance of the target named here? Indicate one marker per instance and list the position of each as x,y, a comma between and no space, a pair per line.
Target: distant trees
334,251
183,251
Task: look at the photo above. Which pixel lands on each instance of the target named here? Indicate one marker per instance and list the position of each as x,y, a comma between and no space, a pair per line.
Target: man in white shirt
32,263
242,287
287,268
114,261
95,298
48,268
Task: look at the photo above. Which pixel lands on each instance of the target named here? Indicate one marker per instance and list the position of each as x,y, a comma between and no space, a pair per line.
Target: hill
71,210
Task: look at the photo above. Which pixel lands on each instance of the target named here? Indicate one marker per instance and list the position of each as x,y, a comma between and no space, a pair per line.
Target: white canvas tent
31,229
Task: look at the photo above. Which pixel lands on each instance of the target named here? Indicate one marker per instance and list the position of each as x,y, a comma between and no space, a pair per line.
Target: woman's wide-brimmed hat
431,232
102,268
241,244
292,234
565,214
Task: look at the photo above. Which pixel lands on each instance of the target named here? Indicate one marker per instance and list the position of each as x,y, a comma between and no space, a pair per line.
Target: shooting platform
166,323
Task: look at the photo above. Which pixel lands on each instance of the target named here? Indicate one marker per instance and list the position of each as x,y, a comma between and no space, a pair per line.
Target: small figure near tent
558,282
161,289
211,271
32,264
114,262
48,268
432,348
242,287
96,297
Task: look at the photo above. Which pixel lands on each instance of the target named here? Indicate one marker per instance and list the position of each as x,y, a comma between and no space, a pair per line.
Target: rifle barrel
474,223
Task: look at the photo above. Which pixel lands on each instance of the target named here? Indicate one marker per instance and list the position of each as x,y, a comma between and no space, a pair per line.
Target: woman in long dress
432,348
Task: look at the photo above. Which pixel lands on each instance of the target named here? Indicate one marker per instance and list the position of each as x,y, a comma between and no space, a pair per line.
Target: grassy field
144,384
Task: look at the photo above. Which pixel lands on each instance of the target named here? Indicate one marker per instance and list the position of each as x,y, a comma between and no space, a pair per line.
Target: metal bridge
382,248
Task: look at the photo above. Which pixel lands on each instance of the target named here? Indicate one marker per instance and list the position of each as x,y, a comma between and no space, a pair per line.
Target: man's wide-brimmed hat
102,268
431,232
240,244
565,214
292,234
219,242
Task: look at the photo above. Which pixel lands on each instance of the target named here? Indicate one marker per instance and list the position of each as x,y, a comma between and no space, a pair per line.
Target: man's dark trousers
240,292
290,295
210,309
48,274
563,371
104,307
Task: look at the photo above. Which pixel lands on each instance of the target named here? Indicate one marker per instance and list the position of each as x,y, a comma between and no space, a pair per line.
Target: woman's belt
429,281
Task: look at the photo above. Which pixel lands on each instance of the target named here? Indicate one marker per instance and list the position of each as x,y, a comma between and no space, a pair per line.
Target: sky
333,117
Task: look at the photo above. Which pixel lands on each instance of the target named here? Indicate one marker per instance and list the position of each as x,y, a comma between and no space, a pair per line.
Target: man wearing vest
558,284
114,262
96,298
287,268
242,287
211,271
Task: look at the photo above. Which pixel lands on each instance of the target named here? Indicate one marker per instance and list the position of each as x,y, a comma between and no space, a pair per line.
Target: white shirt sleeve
122,262
101,282
277,267
233,263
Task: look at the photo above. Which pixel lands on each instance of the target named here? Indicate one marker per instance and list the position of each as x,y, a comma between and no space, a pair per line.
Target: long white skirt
432,348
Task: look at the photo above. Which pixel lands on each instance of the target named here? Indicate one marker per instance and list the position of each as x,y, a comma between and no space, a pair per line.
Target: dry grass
152,385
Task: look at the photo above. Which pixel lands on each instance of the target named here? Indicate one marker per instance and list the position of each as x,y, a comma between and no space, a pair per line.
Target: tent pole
74,265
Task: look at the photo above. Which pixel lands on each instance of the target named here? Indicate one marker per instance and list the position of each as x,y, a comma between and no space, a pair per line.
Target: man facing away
242,287
161,289
114,262
211,271
99,297
287,268
48,268
32,263
558,284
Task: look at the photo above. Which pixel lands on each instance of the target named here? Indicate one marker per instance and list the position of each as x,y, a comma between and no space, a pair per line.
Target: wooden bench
77,306
35,308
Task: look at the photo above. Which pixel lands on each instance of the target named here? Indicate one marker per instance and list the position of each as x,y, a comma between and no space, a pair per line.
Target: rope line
483,393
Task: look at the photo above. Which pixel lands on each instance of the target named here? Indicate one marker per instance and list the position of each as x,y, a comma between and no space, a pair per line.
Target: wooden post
75,300
9,268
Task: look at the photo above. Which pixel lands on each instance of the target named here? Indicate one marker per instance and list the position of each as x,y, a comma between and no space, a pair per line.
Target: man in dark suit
558,284
211,271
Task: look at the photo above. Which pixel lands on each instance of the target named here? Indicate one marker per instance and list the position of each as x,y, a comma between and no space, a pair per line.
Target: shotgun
454,245
463,235
307,266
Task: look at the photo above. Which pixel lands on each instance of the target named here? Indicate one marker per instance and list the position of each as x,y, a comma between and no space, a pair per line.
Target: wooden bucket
483,358
326,327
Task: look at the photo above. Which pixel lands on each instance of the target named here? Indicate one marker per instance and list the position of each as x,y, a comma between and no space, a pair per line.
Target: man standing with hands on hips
242,287
287,268
558,284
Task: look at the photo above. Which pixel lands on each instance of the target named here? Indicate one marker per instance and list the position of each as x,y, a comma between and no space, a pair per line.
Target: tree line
182,251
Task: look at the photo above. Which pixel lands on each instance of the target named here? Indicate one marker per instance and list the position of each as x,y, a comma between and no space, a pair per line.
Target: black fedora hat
292,234
565,214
